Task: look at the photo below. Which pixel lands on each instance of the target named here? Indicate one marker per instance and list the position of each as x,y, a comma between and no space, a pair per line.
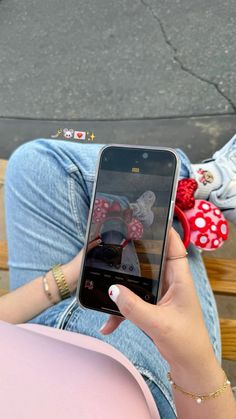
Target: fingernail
113,293
103,327
99,241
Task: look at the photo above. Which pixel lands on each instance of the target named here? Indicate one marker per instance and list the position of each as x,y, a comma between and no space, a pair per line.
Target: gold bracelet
47,289
201,397
61,282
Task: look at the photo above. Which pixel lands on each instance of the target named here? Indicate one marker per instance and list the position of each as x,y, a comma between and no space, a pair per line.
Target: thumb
133,308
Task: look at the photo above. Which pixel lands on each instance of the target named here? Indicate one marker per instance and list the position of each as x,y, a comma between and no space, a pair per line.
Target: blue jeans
47,198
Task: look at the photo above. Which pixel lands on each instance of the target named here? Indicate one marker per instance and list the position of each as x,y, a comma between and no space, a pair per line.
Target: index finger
111,324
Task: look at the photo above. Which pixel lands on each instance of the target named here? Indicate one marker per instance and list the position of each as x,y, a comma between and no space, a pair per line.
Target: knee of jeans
29,161
24,157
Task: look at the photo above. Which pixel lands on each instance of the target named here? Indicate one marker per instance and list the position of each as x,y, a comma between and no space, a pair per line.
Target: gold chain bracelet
47,289
61,282
200,397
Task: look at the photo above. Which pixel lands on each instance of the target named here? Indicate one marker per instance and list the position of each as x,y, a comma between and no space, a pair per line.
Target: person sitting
47,196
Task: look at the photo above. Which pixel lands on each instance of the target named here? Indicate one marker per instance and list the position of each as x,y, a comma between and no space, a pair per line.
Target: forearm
202,378
26,302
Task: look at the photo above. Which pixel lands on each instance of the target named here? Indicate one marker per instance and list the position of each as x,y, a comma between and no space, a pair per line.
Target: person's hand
175,324
71,269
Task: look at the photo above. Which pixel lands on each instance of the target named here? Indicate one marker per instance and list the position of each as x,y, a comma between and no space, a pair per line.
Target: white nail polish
113,293
103,327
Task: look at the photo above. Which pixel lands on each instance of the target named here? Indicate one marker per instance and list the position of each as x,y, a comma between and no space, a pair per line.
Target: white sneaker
216,179
142,208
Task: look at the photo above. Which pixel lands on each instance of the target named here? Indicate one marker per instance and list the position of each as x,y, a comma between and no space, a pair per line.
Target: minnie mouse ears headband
104,211
203,223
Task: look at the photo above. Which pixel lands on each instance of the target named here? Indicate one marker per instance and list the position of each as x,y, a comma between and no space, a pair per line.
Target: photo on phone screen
129,214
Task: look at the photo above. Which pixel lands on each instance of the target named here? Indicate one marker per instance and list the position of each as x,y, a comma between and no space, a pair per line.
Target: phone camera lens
145,155
109,253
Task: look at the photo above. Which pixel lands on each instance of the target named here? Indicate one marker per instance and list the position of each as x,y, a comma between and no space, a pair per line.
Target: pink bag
52,373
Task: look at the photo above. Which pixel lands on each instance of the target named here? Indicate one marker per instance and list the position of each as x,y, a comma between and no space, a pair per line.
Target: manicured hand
176,323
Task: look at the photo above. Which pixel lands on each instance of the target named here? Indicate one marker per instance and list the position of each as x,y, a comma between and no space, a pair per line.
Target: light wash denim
47,197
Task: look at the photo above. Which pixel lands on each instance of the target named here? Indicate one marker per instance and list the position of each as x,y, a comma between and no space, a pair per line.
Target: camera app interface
129,216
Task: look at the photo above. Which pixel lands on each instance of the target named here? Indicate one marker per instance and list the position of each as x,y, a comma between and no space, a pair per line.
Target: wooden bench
221,273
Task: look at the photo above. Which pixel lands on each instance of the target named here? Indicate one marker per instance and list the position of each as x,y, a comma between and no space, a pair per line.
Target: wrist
53,288
71,276
196,351
199,376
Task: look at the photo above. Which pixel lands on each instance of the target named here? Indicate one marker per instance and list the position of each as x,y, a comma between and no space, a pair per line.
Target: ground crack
178,60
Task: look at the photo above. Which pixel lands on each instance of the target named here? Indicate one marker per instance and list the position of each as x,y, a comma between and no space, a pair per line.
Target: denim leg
164,407
47,202
48,185
206,298
47,188
47,197
185,168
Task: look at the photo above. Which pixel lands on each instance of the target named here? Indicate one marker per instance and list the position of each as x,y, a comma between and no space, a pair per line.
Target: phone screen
130,213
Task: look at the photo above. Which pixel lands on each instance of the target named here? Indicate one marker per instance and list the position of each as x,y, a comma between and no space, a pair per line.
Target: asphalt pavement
116,59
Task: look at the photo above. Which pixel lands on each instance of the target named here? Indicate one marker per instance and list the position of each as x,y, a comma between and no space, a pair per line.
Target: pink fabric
51,373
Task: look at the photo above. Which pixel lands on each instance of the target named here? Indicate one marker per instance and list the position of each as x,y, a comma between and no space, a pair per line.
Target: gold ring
178,257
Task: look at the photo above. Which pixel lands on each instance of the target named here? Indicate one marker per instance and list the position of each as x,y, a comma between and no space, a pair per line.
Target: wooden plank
3,242
221,273
148,246
149,271
223,287
3,292
3,255
3,165
228,337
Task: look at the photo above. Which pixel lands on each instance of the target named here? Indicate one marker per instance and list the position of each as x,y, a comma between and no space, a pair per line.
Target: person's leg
48,185
216,178
48,190
197,267
185,167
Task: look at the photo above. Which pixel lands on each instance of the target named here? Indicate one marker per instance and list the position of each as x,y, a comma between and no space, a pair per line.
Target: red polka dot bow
104,211
203,223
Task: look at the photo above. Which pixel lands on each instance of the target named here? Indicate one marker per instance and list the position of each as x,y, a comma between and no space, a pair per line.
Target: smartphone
131,212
